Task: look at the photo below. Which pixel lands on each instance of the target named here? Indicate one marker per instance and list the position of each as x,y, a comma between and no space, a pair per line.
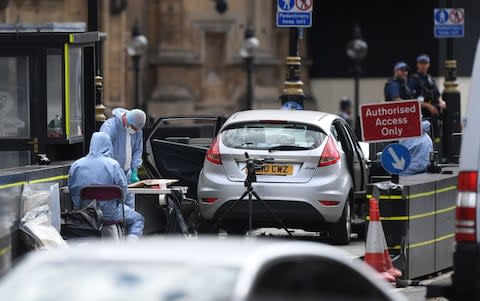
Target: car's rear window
265,135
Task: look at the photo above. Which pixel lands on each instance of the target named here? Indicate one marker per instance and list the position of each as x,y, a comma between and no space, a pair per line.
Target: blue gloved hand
134,176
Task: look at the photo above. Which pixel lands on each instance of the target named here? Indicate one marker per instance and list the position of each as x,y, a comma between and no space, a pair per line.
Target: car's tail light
209,200
329,203
213,153
466,212
330,154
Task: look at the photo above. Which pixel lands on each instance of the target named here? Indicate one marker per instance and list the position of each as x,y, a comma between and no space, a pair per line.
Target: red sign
303,4
392,120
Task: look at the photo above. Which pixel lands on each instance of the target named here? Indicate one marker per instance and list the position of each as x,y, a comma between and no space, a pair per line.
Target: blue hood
100,145
118,112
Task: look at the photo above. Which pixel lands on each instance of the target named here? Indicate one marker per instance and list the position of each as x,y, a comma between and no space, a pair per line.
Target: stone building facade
192,64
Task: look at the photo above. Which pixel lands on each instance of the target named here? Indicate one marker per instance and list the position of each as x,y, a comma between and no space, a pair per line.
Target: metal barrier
418,216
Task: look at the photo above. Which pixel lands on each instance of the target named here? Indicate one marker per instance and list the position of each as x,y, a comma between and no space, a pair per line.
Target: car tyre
341,231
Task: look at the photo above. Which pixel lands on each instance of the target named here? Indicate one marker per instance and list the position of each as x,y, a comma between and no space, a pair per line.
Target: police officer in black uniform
396,88
424,88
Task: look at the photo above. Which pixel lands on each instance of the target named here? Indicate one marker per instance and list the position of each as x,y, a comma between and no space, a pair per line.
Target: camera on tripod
252,165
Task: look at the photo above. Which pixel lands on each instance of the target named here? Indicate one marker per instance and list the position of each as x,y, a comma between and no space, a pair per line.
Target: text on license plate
275,169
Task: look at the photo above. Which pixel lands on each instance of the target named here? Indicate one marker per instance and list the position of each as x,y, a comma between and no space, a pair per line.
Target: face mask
130,130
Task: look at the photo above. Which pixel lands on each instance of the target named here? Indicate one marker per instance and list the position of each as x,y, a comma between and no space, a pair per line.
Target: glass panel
14,98
54,96
14,158
287,136
76,92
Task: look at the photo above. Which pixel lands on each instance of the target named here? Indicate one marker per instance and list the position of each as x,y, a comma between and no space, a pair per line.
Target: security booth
47,110
47,95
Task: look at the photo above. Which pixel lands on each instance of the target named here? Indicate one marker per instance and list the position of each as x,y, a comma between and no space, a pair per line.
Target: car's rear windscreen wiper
288,148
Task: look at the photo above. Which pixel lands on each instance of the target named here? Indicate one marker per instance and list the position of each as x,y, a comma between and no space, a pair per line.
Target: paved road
357,249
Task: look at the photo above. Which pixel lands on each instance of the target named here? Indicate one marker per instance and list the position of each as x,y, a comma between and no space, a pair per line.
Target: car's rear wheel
341,231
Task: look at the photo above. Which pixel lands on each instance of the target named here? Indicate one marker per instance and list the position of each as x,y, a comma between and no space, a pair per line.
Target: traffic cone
390,268
375,249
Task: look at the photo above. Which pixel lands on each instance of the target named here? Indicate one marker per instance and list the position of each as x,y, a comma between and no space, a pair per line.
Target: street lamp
247,52
357,50
136,49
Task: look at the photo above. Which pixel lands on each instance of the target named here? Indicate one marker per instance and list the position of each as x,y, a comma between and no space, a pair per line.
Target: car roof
249,255
234,252
304,116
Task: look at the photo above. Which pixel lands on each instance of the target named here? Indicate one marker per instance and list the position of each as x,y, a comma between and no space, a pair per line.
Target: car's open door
176,147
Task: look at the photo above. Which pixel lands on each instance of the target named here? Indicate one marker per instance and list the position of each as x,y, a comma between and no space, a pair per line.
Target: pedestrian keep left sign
294,13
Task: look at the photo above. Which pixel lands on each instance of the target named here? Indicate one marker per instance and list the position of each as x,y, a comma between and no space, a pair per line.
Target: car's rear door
356,160
177,145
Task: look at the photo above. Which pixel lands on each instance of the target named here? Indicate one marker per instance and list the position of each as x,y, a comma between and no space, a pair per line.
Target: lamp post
136,49
357,50
247,52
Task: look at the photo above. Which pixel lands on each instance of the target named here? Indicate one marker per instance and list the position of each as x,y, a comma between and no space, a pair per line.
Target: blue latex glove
134,176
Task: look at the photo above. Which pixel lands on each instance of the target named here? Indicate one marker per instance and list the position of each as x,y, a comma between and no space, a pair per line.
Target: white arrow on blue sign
294,13
396,158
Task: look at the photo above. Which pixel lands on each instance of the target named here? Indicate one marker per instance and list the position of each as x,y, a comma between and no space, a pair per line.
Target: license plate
276,170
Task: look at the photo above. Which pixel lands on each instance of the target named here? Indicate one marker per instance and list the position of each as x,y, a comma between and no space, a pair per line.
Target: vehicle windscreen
120,282
272,136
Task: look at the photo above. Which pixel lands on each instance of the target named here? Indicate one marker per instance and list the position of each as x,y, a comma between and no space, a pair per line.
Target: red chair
105,193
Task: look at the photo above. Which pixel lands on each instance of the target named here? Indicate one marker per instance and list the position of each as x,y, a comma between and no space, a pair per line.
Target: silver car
201,270
312,167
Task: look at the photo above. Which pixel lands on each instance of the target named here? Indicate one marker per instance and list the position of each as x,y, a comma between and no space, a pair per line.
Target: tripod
252,165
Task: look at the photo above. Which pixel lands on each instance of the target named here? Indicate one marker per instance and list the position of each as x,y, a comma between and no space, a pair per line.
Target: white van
466,277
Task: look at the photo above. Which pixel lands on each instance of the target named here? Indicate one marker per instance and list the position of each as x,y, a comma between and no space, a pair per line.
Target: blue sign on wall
396,158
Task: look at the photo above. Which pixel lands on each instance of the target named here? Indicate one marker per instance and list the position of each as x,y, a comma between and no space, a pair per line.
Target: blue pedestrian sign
294,13
449,22
396,158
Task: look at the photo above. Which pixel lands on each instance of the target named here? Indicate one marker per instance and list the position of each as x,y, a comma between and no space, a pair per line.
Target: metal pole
249,71
292,91
293,42
136,68
451,95
357,100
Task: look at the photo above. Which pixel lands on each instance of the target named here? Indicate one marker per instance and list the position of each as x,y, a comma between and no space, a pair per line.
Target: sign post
391,121
449,22
294,13
395,158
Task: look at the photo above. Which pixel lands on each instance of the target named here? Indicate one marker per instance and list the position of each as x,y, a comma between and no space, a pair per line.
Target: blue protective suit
419,148
115,128
99,168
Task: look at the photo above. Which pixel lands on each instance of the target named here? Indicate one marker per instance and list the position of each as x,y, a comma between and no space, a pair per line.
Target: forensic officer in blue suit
125,131
98,168
419,149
